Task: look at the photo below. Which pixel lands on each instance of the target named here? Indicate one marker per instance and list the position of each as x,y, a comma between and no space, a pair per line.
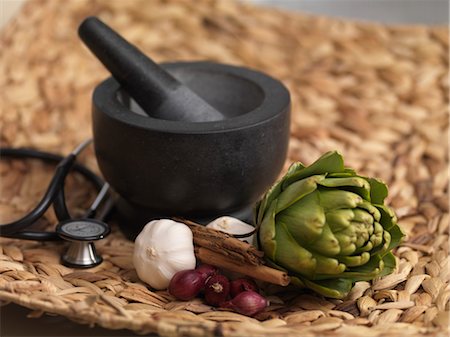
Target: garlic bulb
163,248
233,226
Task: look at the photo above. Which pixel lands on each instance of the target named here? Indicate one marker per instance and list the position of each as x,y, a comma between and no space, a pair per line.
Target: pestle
157,92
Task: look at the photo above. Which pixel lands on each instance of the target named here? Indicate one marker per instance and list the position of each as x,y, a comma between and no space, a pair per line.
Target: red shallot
186,284
216,290
247,303
206,270
242,284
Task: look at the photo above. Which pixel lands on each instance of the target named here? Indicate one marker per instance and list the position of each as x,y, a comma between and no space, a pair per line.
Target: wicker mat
377,94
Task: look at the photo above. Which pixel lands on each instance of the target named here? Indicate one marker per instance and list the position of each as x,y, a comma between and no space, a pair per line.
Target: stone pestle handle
157,92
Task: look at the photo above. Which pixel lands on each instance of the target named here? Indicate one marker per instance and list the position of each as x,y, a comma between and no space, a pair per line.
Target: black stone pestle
157,92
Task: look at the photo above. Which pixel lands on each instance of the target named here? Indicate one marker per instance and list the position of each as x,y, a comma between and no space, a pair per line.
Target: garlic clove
163,248
233,226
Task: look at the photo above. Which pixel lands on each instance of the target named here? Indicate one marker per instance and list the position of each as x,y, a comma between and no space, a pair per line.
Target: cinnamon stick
224,244
259,272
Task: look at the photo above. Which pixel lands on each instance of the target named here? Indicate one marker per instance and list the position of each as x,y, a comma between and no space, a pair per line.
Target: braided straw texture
377,94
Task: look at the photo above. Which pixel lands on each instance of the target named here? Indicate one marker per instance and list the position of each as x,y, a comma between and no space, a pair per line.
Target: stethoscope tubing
26,153
54,194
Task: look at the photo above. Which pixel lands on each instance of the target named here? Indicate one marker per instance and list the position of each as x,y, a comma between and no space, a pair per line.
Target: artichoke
328,227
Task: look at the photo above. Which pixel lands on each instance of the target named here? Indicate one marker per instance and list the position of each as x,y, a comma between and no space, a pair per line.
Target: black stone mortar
196,170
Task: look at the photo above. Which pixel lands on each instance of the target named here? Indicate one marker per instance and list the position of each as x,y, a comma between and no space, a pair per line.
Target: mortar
163,168
203,140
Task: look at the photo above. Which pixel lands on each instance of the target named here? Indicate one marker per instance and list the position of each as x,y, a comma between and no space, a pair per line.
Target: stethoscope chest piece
81,233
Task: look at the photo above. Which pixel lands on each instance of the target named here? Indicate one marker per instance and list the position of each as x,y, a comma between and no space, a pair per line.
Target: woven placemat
377,94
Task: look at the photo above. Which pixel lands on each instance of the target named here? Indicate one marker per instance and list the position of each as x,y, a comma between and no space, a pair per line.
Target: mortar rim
276,102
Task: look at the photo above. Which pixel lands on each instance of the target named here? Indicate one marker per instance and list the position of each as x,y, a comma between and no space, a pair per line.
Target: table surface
13,318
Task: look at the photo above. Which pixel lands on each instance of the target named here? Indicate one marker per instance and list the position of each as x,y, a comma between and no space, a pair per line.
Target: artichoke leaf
339,219
397,236
274,191
327,266
267,232
330,162
262,207
354,260
389,222
368,246
377,237
361,232
272,264
337,288
305,219
296,191
348,170
389,264
347,240
378,190
346,173
259,209
367,271
295,258
363,216
386,243
388,218
294,168
353,184
384,248
365,205
295,280
343,174
326,244
338,199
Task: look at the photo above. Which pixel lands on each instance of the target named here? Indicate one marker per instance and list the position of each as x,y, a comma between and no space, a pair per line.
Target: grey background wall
386,11
400,11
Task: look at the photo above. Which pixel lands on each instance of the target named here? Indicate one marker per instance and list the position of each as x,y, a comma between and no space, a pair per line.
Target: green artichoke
328,227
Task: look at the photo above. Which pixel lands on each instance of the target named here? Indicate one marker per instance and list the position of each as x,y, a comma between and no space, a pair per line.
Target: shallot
242,284
247,303
216,290
206,270
186,284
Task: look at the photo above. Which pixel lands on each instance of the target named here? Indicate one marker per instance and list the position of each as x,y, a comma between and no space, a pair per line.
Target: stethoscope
80,232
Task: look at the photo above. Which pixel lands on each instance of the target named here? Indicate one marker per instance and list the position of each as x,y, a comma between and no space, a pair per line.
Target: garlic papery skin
233,226
163,248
